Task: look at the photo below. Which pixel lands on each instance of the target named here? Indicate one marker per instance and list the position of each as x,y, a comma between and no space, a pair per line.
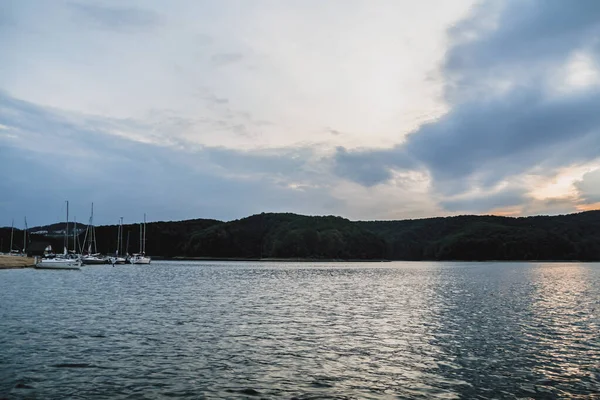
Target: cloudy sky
368,109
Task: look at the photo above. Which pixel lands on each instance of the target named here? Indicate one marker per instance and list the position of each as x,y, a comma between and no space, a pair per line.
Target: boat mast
75,235
12,233
67,230
85,238
25,236
118,236
141,237
144,249
121,240
93,238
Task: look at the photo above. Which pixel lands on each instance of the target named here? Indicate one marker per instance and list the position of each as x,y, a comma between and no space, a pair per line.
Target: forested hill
563,237
268,235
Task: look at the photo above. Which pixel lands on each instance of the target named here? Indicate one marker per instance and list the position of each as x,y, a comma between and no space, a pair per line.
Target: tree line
285,235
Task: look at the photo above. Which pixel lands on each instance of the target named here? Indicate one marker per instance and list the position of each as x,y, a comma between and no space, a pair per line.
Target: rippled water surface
286,330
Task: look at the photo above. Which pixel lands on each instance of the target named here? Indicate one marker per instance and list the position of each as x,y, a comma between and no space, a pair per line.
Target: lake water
310,330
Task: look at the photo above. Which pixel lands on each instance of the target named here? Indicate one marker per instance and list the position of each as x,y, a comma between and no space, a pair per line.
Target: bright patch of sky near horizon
300,106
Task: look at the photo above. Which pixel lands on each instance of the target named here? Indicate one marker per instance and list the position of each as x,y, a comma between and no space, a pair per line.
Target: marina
80,247
67,260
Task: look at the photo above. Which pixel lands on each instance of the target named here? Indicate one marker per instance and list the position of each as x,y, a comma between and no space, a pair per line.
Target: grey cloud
58,157
218,100
370,167
262,122
223,59
530,34
552,206
161,182
483,140
286,162
484,202
204,40
241,122
501,138
589,187
242,130
116,18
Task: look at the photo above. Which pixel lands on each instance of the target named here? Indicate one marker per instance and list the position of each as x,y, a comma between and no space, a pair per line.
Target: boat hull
139,259
94,261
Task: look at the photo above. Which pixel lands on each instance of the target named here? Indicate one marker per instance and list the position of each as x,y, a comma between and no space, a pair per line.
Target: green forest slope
269,235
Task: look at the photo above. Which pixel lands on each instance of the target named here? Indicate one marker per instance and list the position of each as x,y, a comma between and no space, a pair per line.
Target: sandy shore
7,262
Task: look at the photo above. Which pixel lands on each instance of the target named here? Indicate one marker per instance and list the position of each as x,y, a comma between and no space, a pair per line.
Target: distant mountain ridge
286,235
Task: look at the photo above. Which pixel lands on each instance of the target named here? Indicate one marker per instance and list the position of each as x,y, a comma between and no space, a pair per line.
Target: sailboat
17,252
116,259
64,261
92,258
25,238
12,252
141,257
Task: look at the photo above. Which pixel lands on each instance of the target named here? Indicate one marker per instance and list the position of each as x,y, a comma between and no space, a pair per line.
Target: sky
367,109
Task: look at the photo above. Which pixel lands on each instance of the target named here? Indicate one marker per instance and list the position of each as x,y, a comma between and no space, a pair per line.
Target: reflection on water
566,327
243,330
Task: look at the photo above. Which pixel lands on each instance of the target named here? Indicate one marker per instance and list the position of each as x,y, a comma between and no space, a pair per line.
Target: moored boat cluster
88,253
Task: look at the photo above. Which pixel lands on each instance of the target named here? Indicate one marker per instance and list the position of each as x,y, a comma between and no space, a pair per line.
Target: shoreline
16,262
309,260
157,258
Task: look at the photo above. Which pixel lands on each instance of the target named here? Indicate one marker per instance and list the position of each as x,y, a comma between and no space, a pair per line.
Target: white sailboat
59,262
141,257
119,259
11,251
64,261
25,238
92,258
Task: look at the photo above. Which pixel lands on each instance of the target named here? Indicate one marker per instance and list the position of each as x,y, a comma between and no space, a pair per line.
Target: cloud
213,104
282,162
223,59
495,132
217,100
482,202
550,206
490,141
371,167
121,19
344,70
589,187
521,33
125,175
84,161
405,195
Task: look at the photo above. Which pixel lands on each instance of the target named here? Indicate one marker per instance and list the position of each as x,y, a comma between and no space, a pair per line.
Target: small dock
9,262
